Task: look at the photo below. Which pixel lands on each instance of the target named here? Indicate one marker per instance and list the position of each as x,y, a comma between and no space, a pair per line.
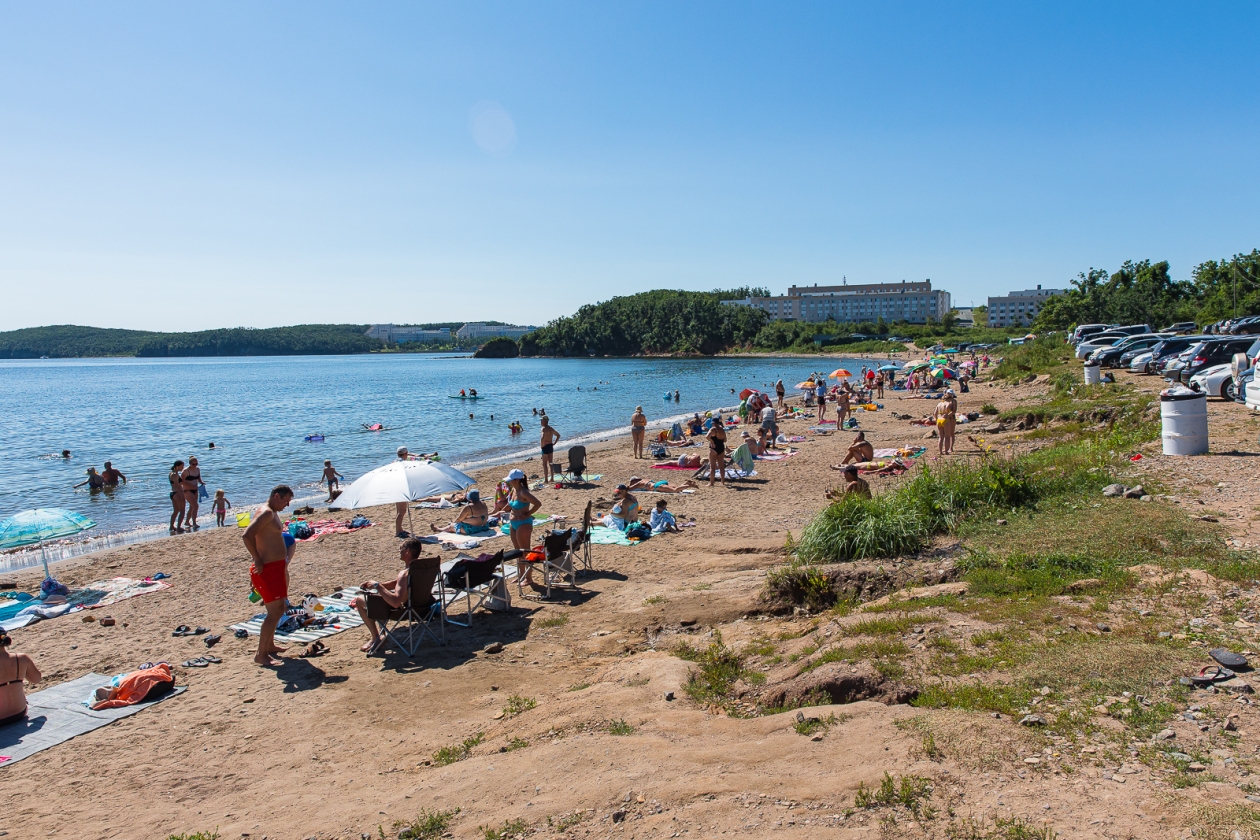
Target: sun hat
515,475
474,496
402,450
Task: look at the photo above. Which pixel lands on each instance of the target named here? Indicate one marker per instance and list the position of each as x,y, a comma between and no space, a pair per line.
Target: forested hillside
68,341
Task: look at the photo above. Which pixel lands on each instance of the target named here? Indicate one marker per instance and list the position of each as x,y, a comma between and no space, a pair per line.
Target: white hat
515,475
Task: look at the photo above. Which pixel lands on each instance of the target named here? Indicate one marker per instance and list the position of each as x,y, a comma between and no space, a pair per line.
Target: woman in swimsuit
521,505
636,483
178,502
14,668
946,419
717,449
190,481
638,425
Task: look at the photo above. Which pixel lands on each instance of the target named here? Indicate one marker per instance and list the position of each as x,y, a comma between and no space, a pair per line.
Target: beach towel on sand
55,715
136,687
339,615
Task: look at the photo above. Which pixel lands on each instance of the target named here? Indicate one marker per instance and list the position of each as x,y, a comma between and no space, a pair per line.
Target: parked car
1104,339
1183,327
1215,352
1169,348
1242,380
1141,362
1084,331
1215,381
1110,356
1246,326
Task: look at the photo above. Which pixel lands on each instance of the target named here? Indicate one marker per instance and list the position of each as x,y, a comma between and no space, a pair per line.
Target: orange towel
136,686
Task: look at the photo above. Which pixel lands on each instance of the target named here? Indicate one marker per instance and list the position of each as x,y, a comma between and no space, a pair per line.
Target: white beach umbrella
402,481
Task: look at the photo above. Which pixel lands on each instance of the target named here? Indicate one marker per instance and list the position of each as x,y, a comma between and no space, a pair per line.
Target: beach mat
674,467
600,535
57,714
460,541
344,621
101,593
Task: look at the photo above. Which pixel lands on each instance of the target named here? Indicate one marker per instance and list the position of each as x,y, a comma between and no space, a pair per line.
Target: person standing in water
191,481
331,477
548,444
638,430
112,476
178,501
269,574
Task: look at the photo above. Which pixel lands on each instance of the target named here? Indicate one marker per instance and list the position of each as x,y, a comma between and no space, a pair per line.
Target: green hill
69,341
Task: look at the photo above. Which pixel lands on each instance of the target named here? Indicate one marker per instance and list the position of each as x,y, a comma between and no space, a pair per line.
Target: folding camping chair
577,464
407,626
477,582
558,560
580,544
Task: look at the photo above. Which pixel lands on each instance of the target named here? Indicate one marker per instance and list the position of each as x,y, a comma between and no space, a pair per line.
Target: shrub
988,408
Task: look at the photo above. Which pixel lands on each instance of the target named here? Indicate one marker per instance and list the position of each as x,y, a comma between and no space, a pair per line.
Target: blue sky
189,166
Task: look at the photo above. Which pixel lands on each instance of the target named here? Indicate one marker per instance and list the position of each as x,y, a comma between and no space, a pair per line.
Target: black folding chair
408,625
580,544
558,560
577,464
478,583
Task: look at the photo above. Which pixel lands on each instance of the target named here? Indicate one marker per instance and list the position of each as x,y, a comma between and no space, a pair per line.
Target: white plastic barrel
1093,374
1185,422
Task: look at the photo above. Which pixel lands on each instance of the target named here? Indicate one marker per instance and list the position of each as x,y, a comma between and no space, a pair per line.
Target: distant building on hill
394,334
1018,309
966,316
484,332
910,302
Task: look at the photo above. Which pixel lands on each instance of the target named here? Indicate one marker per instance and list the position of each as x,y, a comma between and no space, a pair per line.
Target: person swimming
374,427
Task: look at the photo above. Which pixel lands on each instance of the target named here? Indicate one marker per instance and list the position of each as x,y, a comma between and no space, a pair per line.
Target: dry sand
336,746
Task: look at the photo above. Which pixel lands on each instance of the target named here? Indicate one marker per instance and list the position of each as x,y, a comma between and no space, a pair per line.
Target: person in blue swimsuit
521,506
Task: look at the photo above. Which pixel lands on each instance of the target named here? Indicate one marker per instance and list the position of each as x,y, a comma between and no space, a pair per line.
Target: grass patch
509,829
566,821
713,682
810,725
516,744
1041,355
880,652
450,755
517,704
1001,828
878,627
620,727
196,835
430,825
579,686
802,583
974,697
652,600
552,621
908,791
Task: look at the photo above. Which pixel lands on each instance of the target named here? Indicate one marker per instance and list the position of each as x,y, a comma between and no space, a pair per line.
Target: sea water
143,414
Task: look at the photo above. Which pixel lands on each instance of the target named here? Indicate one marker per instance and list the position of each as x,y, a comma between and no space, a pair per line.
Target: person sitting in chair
471,520
859,451
755,444
381,599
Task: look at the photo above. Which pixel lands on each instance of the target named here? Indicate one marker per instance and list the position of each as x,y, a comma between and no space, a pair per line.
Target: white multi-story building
395,334
483,332
910,302
1018,309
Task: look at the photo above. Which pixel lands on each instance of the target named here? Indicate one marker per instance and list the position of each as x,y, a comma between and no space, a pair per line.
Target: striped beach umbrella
38,526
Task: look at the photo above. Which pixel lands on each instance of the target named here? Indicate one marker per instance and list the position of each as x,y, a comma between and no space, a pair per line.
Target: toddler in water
330,478
220,506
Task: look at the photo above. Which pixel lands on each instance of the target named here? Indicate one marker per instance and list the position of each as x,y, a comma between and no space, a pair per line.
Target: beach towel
101,593
742,457
599,535
460,541
562,478
442,505
55,715
673,467
338,612
135,687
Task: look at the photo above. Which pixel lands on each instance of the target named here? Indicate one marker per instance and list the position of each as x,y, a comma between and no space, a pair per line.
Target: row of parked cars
1218,365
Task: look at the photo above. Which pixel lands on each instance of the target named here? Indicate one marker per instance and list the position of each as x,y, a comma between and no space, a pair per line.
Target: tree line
69,341
1142,292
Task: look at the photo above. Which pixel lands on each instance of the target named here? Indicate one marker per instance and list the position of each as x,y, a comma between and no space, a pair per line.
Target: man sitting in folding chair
407,600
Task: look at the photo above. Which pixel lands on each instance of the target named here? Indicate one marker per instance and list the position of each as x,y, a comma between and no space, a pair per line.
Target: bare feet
368,648
267,661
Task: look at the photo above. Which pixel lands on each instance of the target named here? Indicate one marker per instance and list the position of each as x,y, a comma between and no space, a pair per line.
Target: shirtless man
548,443
471,520
853,483
860,450
946,415
112,476
264,540
384,597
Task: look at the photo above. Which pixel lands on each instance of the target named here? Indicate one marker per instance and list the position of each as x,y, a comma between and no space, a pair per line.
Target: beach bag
359,521
638,531
300,530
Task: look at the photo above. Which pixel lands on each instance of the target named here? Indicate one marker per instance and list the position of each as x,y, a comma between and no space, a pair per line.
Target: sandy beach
335,746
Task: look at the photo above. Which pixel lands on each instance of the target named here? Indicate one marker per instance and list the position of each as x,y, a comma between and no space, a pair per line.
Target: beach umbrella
840,373
944,372
402,481
748,392
889,367
807,385
31,527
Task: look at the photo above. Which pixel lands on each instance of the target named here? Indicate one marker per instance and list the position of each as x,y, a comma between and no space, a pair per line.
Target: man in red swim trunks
264,539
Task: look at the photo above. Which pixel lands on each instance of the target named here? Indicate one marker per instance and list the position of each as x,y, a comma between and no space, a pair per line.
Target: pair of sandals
185,630
202,661
314,649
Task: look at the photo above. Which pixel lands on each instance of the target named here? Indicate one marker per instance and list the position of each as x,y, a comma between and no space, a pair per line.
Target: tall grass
1037,356
936,500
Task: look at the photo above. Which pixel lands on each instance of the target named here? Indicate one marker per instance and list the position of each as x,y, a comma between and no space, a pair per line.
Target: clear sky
198,165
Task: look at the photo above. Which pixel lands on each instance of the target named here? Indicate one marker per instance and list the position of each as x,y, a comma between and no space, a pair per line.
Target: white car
1086,348
1215,381
1140,361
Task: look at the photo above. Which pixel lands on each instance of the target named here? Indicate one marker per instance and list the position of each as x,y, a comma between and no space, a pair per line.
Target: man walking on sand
549,438
264,540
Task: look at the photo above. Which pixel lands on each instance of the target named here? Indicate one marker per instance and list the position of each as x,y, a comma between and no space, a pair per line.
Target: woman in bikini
638,426
717,449
178,502
636,483
521,505
190,481
14,669
946,419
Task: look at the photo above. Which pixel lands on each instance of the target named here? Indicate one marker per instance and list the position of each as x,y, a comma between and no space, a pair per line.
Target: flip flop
1228,658
195,663
183,630
213,660
316,648
241,633
211,640
1211,674
200,631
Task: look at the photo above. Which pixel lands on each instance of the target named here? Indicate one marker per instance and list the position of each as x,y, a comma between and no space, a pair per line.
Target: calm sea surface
143,414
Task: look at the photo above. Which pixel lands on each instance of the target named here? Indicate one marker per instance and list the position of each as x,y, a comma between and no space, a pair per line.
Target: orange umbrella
840,373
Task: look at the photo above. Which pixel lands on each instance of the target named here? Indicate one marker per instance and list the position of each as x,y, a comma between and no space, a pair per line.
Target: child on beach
330,478
662,520
220,507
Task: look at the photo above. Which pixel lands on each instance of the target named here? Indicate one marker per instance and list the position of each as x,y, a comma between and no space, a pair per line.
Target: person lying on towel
637,483
471,520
